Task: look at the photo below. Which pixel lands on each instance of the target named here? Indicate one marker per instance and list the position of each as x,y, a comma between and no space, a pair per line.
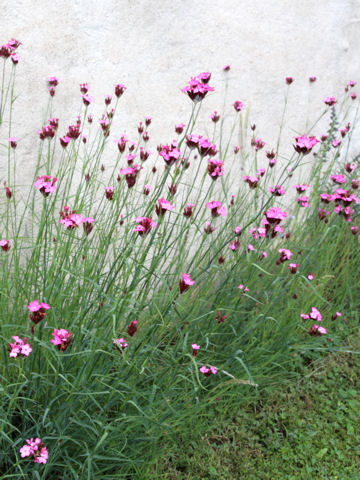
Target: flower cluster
62,339
198,87
38,311
46,184
35,449
73,220
19,347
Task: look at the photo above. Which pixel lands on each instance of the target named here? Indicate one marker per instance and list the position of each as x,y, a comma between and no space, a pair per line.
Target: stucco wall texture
154,47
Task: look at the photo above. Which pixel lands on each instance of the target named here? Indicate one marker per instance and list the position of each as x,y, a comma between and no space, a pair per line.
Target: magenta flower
289,80
192,140
109,192
162,206
242,287
301,188
353,96
238,105
188,209
303,201
185,282
339,179
285,254
293,267
84,88
275,215
145,224
226,68
179,127
354,230
144,154
330,101
215,168
19,347
147,189
335,143
170,153
317,331
120,344
62,339
132,328
74,131
277,190
234,245
205,147
251,180
13,142
119,89
53,81
258,143
65,140
312,79
333,317
46,184
121,143
5,245
37,311
209,228
195,349
87,99
310,276
35,449
217,209
108,99
197,88
207,371
305,144
73,220
215,117
131,174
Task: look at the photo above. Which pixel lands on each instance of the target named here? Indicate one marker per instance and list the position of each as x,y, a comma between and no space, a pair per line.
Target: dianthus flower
64,141
215,117
192,140
285,254
317,331
301,188
242,287
62,339
144,154
209,228
215,168
314,315
73,220
87,99
35,449
330,101
185,282
132,328
339,179
303,201
289,80
119,89
5,245
131,174
145,224
19,347
217,209
293,267
46,184
258,143
251,180
197,88
235,245
238,105
162,206
120,344
205,147
37,311
275,215
188,209
109,192
305,144
121,143
312,79
179,127
170,153
277,190
13,142
207,371
74,131
195,349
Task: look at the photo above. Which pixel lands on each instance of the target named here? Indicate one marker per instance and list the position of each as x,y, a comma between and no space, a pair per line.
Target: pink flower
162,206
339,179
109,192
275,215
226,68
53,81
87,99
289,80
234,245
13,142
119,89
215,117
84,88
351,84
131,174
333,317
285,254
170,153
179,128
293,267
251,180
144,154
197,88
121,143
35,449
241,287
303,201
145,224
238,105
335,143
277,190
208,371
205,147
258,143
215,168
46,184
310,276
64,141
330,101
120,344
108,99
188,209
185,282
217,209
62,339
5,245
209,228
312,79
301,188
317,331
132,328
305,144
147,189
353,96
73,220
19,347
37,311
195,349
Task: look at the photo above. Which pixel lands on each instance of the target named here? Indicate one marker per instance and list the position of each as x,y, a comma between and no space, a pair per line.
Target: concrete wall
155,46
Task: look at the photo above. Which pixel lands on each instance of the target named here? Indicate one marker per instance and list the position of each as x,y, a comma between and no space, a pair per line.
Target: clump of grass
109,279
